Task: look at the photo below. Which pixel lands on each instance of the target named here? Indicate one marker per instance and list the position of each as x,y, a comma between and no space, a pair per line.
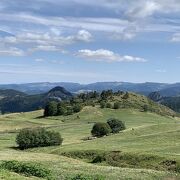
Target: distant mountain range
142,88
28,97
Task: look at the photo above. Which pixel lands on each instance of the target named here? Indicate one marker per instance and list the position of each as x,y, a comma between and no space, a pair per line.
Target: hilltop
108,99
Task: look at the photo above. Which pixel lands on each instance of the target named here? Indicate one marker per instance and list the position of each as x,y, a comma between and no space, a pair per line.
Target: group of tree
104,104
111,126
38,137
62,108
94,95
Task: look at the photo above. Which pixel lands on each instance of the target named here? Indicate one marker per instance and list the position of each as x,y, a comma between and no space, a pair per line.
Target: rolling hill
20,102
145,150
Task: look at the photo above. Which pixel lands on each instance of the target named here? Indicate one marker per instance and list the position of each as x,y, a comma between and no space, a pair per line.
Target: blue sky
88,41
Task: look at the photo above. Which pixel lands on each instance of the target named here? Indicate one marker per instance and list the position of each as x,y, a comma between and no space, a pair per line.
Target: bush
102,104
99,159
50,109
116,125
116,105
69,111
108,105
28,169
126,96
100,129
29,138
145,108
77,108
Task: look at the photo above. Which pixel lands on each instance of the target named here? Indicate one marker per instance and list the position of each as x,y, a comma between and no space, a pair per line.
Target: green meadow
142,151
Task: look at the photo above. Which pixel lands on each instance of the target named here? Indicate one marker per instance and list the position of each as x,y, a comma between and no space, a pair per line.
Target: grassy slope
152,134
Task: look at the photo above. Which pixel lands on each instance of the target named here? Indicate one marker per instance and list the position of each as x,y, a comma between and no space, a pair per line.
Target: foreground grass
65,168
151,134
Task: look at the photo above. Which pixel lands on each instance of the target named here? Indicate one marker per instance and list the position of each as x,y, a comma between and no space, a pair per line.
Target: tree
77,108
108,105
50,109
69,110
61,109
126,96
105,94
102,104
116,125
100,129
116,105
145,108
39,137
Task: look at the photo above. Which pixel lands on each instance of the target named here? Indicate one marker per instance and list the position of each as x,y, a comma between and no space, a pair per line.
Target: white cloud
47,38
11,51
176,37
142,9
84,35
45,48
44,41
107,56
39,60
161,71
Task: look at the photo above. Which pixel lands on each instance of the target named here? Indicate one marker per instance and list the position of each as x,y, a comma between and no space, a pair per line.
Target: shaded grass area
130,160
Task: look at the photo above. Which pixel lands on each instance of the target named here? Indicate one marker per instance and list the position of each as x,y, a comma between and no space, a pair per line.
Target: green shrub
100,129
50,109
116,125
116,105
126,96
77,108
29,138
99,159
145,108
28,169
108,105
69,111
102,104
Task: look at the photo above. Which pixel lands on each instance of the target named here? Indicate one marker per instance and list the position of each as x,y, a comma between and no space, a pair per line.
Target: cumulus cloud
107,56
84,35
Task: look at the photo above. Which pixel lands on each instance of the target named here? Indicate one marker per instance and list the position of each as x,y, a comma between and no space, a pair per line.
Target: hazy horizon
87,82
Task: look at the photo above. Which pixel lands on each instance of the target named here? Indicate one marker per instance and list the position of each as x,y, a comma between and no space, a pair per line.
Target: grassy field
147,134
